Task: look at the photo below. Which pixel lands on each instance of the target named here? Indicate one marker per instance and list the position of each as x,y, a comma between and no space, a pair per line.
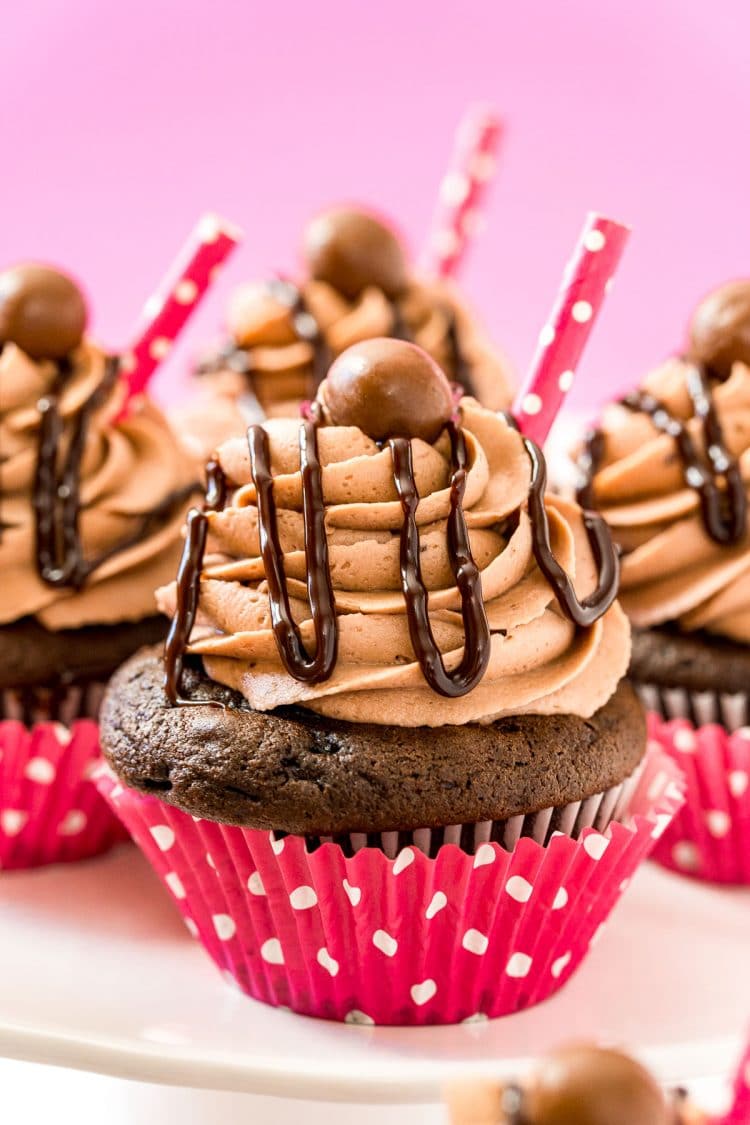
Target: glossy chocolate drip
724,511
476,654
307,329
188,583
582,613
296,659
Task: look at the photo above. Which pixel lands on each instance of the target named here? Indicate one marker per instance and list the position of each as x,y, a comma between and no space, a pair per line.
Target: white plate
99,973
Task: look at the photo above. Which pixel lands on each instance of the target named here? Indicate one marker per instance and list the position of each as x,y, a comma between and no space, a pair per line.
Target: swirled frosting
130,467
540,662
672,570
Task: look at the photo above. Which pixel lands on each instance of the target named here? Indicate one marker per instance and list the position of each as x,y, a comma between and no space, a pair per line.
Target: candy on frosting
129,468
539,662
672,570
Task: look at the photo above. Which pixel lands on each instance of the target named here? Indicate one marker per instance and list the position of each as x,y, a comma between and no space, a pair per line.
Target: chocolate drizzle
296,659
476,655
56,495
723,510
188,582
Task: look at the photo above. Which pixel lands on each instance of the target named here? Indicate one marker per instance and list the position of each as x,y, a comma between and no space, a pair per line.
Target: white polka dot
455,188
560,964
446,242
531,403
478,1017
718,823
423,992
210,861
174,882
403,860
565,382
255,884
483,167
186,291
686,855
561,899
303,898
595,845
546,336
582,311
385,943
738,782
594,240
209,229
13,821
40,770
73,823
438,902
354,894
63,734
685,741
277,846
225,926
330,964
519,888
485,854
191,927
159,348
519,965
271,951
663,821
163,836
360,1019
474,941
128,363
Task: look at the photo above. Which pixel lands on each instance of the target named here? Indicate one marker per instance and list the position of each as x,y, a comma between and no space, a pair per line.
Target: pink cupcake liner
710,837
405,940
50,810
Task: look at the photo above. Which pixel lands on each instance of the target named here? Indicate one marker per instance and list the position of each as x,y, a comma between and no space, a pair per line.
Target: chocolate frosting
452,517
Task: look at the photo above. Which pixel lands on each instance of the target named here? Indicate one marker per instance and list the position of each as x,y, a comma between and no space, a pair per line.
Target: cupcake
93,503
668,470
401,779
575,1085
357,284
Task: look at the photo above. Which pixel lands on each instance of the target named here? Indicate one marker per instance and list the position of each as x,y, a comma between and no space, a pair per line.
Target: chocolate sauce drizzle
319,667
188,583
476,655
56,495
723,510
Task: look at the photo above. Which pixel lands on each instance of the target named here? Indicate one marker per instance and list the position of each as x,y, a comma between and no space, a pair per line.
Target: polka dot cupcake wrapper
408,940
50,809
710,837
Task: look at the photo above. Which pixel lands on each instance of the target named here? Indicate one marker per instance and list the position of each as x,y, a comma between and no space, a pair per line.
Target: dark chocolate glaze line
724,511
476,653
307,329
296,659
188,584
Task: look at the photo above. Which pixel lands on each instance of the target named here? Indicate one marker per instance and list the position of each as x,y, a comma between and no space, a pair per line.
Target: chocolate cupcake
668,469
93,501
377,661
357,284
575,1085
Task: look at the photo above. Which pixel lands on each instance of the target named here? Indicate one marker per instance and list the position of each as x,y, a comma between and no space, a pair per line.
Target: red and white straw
739,1113
165,314
457,217
585,282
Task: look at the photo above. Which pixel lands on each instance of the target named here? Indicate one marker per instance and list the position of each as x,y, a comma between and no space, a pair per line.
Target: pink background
120,123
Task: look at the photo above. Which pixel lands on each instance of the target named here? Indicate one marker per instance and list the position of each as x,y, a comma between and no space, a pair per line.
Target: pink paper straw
739,1114
165,314
563,338
457,218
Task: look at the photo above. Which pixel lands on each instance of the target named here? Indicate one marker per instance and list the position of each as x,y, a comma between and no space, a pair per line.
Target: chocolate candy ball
388,388
351,250
41,310
720,328
591,1086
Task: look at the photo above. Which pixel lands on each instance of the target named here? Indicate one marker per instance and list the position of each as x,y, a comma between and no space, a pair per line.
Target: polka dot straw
563,338
165,314
457,217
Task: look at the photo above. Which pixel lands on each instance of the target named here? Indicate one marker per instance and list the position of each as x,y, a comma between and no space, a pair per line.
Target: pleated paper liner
709,837
50,810
367,938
